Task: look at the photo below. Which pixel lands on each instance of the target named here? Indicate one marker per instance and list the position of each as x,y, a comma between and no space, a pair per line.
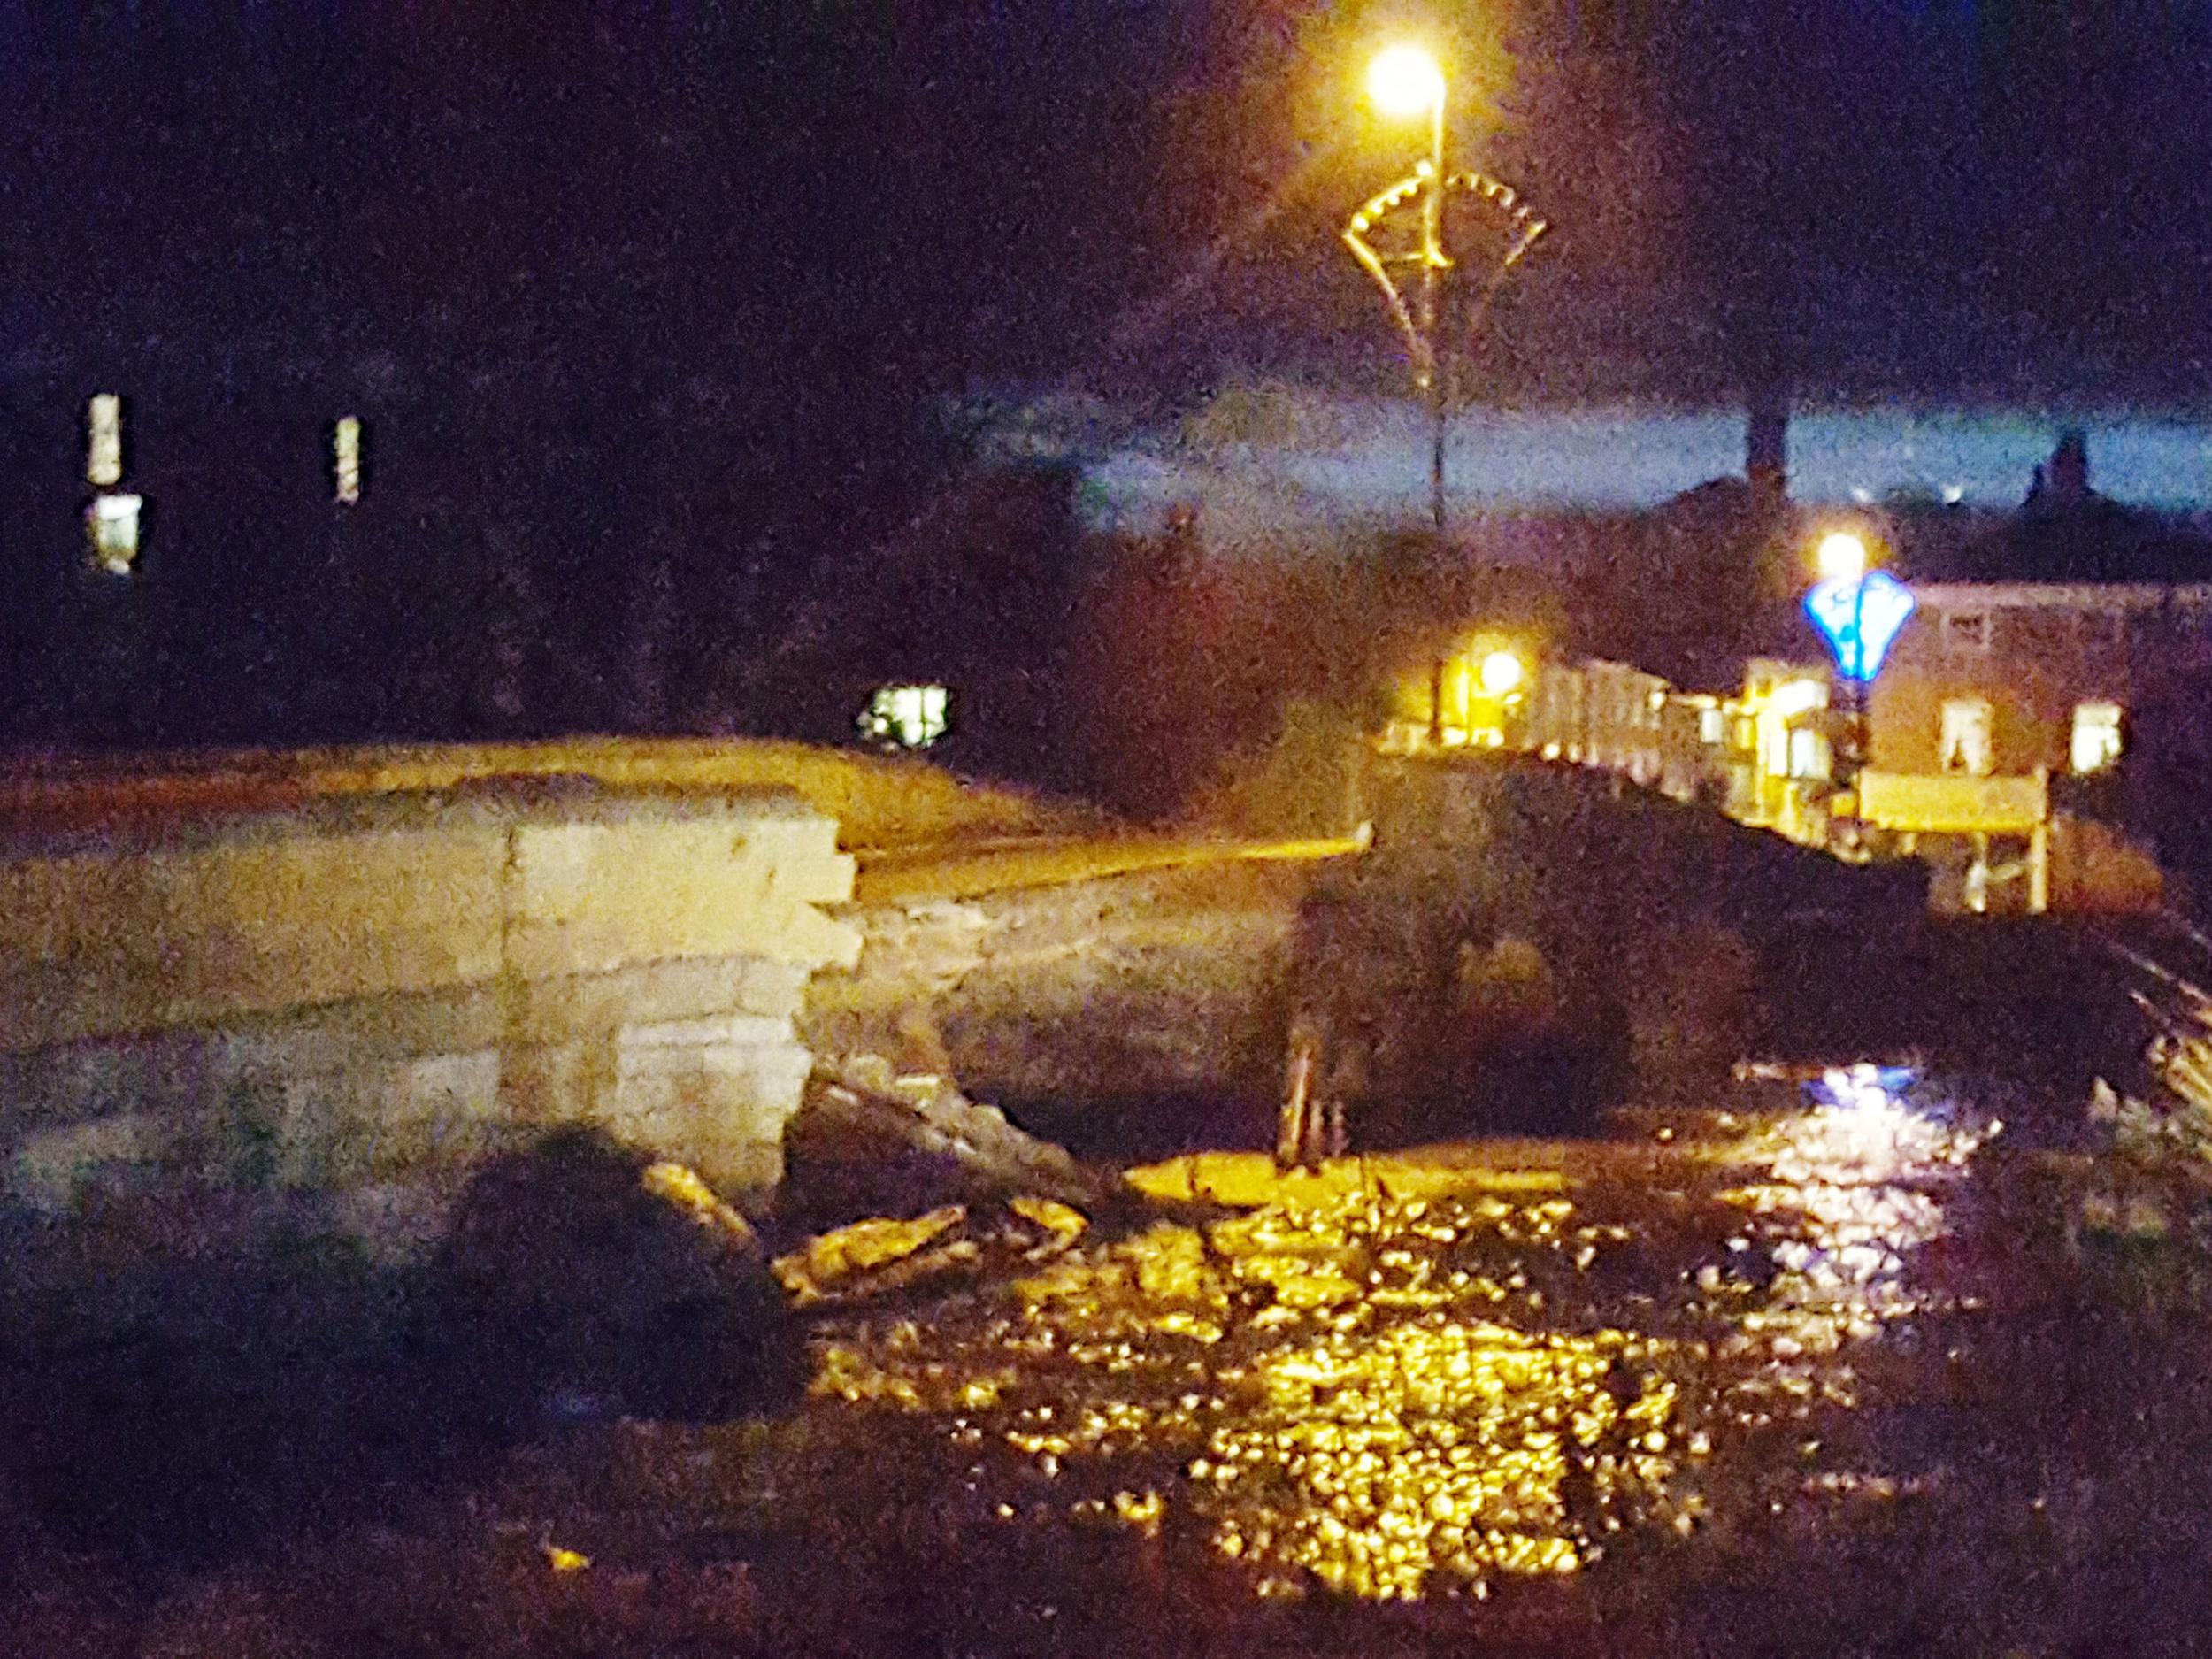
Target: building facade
2016,677
2099,692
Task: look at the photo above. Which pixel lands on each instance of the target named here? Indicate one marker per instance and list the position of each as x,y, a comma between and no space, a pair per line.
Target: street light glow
1405,81
1500,674
1841,556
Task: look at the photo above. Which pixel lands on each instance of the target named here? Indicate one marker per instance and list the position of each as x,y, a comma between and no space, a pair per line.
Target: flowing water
1794,1374
1416,1377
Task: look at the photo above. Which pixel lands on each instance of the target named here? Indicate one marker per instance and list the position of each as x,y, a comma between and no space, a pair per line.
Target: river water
1810,1371
1434,1375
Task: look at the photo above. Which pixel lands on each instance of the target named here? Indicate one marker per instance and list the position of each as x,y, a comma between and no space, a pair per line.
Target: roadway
966,870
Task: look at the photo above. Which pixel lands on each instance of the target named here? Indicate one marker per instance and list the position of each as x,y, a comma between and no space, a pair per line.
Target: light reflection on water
1396,1396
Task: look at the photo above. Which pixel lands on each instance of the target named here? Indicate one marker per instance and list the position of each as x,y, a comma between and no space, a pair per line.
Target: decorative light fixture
1859,616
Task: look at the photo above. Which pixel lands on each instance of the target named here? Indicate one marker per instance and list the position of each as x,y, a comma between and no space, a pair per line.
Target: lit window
2097,739
112,524
1809,753
906,717
1964,743
104,441
1966,632
1712,726
1794,698
346,459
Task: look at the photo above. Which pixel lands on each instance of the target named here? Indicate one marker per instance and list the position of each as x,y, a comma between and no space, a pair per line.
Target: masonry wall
360,999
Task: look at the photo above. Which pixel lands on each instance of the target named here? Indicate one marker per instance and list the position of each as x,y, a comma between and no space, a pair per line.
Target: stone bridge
335,981
271,982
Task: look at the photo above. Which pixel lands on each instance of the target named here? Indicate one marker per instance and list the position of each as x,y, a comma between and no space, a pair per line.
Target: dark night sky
1946,198
647,306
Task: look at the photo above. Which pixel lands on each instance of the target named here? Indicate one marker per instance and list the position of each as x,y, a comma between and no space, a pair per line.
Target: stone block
76,1082
713,1094
591,897
51,1171
556,1008
362,997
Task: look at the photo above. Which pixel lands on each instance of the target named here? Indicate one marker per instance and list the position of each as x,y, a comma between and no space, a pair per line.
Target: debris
681,1188
1063,1224
832,1261
881,1255
869,1135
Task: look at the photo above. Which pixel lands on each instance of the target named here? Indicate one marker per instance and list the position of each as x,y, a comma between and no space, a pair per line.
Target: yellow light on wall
1502,674
1841,556
1405,81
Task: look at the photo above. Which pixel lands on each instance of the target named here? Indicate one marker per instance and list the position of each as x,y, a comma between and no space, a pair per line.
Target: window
345,442
1964,743
1712,726
103,441
112,523
1966,632
2097,736
1809,753
906,717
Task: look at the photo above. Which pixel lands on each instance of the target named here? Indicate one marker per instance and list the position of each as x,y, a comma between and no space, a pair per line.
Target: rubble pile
869,1141
884,1254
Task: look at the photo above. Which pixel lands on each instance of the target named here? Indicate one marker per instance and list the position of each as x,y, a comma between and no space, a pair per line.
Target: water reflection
1851,1186
1393,1396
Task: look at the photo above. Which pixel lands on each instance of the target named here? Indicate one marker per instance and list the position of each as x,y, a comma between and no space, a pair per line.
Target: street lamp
1406,81
1858,611
1500,674
1841,556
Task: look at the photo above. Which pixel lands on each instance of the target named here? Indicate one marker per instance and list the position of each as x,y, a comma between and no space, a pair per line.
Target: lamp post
1406,80
1858,611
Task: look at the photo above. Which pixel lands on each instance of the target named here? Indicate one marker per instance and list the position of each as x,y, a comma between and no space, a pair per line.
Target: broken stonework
867,1141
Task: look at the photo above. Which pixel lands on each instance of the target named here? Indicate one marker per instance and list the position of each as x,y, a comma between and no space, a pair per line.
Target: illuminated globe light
1841,556
1859,617
1500,674
1405,81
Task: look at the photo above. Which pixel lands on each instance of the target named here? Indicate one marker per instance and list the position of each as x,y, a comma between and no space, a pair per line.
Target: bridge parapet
360,998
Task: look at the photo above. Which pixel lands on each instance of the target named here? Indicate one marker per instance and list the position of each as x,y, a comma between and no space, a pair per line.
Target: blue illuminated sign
1859,617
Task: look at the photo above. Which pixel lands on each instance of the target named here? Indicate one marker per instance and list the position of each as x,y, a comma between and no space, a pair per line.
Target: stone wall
357,999
1098,993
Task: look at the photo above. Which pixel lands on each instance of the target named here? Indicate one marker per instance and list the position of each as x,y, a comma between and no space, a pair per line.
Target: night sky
653,310
1942,197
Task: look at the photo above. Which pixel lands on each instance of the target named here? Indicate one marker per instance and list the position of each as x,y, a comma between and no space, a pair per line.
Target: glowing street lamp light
1500,674
1858,611
1841,556
1405,81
